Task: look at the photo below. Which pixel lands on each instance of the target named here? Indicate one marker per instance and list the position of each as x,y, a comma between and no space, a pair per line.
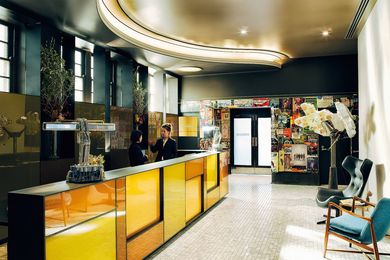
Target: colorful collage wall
294,149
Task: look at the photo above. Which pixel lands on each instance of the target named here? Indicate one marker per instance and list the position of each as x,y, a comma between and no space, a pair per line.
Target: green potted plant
139,100
56,82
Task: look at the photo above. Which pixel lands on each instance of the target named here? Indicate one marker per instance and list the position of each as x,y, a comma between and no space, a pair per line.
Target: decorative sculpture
84,171
330,124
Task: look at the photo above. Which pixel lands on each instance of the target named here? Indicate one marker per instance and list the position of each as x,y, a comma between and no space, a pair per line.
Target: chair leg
326,233
373,238
326,242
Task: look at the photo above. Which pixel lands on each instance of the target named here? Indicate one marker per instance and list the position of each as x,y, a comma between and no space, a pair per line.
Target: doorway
251,137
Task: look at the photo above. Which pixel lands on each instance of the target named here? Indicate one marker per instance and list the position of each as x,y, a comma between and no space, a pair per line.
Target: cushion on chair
324,196
381,220
348,224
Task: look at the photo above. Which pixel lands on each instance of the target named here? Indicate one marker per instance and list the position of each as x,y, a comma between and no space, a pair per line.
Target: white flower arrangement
326,123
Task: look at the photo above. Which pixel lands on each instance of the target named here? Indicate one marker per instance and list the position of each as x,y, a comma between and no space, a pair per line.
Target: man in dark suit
165,146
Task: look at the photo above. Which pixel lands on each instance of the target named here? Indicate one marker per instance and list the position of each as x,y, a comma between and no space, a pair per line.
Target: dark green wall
306,76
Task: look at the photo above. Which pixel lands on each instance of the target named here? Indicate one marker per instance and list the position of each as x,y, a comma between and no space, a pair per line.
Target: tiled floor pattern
258,220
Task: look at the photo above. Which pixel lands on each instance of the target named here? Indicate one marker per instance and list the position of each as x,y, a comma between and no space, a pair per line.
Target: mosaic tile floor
258,220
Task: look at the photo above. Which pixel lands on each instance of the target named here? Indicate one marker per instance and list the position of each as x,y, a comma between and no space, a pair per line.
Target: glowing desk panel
127,216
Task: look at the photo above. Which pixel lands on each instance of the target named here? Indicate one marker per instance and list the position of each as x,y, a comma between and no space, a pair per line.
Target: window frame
11,56
82,72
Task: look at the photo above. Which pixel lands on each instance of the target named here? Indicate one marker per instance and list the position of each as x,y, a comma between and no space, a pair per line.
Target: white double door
252,141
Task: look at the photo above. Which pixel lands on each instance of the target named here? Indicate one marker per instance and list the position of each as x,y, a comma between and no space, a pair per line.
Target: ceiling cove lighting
326,33
117,17
244,31
189,69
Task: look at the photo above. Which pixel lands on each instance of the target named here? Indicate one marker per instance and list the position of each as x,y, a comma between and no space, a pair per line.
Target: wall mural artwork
123,119
20,145
174,121
154,125
293,148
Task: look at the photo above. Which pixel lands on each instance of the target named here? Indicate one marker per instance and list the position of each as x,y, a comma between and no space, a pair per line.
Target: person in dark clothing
136,156
165,146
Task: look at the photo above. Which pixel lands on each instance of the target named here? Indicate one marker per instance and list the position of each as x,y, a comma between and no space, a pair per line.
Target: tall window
91,78
113,84
79,76
155,101
84,87
5,60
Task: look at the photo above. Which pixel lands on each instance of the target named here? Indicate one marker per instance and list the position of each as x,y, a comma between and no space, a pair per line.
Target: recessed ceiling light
190,69
326,33
244,31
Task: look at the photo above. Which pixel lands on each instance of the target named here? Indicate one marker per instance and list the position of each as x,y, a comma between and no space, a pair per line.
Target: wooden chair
358,230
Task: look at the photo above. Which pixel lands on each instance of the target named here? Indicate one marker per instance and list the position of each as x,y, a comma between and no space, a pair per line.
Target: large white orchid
325,122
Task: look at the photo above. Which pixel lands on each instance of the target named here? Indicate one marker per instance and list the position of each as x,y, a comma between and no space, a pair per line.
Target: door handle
255,141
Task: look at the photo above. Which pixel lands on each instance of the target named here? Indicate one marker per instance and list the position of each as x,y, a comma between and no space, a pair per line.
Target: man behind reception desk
165,146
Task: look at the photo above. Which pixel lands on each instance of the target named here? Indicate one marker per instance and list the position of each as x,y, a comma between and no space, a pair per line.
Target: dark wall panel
306,76
33,61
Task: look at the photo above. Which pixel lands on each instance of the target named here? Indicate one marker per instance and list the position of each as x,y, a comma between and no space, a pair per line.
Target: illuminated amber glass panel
121,218
145,243
69,208
94,239
142,200
194,168
211,171
212,197
174,199
193,197
223,174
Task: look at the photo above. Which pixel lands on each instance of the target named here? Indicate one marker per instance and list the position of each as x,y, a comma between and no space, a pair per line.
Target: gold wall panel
193,197
142,200
211,171
188,126
92,240
174,121
121,218
72,207
174,199
212,197
194,168
145,243
223,174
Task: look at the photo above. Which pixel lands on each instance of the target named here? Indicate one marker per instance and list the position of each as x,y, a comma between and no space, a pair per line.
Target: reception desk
127,216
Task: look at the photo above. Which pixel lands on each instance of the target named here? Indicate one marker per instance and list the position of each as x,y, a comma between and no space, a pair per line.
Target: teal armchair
358,230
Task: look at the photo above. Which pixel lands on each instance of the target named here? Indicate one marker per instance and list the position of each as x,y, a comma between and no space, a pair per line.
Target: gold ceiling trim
124,26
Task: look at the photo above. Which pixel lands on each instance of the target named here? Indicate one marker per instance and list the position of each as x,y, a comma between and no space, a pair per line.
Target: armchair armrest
363,201
334,205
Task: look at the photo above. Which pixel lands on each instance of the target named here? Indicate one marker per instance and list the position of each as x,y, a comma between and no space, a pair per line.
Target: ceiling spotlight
244,31
325,33
189,69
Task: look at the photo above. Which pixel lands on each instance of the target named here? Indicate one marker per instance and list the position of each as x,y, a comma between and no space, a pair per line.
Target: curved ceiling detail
125,26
